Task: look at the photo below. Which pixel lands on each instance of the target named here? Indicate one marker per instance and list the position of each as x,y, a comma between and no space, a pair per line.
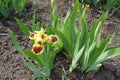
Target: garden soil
11,61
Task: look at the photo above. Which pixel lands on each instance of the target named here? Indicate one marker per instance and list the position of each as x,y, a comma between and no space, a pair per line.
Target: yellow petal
52,39
38,49
33,35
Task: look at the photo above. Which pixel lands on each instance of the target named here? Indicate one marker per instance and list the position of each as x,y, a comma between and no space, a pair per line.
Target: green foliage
83,46
44,60
16,44
19,48
23,27
35,25
106,4
19,5
65,33
26,30
6,6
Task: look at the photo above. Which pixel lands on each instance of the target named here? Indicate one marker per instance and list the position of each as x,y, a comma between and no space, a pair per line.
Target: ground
11,61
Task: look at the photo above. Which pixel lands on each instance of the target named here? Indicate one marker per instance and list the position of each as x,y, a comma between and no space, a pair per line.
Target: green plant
19,5
65,33
106,4
85,46
43,51
6,6
82,45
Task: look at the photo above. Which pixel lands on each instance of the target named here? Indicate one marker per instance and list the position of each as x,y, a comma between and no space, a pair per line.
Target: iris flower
40,38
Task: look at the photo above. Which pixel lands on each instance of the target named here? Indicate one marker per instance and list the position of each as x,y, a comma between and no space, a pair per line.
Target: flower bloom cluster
40,38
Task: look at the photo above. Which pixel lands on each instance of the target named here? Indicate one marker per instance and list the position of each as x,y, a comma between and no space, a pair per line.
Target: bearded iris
40,38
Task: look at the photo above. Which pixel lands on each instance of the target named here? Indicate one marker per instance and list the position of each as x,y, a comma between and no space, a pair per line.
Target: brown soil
11,61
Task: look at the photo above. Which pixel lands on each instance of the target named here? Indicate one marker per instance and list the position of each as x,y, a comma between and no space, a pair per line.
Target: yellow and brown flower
52,39
40,39
38,49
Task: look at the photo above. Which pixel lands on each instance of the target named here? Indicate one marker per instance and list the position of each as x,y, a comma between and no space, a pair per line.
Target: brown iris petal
37,49
32,34
53,39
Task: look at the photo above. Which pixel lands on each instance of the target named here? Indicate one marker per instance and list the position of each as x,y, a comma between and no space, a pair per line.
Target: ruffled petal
33,35
52,39
37,49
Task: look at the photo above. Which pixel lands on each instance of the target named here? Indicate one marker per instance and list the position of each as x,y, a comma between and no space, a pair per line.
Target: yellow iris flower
40,39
